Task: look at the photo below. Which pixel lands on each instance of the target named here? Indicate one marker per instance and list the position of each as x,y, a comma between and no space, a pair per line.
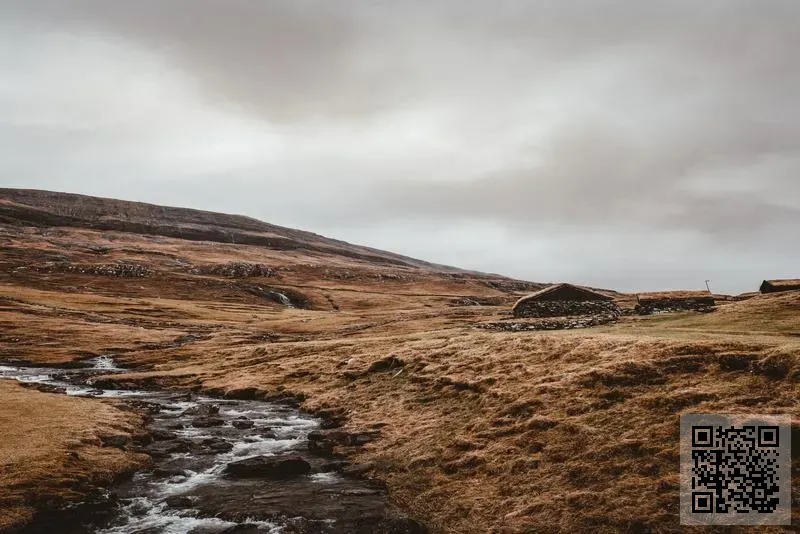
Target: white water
144,506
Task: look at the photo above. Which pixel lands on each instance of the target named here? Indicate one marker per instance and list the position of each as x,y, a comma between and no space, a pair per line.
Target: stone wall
676,305
565,308
556,323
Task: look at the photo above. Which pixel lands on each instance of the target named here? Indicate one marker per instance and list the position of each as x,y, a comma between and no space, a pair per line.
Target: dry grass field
51,450
480,431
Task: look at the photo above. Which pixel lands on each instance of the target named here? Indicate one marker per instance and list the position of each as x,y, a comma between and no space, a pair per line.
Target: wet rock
146,407
179,501
323,449
207,422
329,467
333,436
202,410
163,435
216,445
269,434
246,528
166,472
272,467
165,448
243,423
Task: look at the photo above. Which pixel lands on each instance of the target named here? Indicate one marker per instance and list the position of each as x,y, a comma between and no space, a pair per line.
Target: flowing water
194,438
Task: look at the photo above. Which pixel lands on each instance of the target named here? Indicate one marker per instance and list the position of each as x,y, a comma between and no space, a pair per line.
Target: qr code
736,473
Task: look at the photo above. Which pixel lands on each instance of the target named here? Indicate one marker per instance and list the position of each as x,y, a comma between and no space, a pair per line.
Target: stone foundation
565,308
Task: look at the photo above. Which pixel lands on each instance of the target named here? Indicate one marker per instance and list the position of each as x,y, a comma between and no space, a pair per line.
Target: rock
243,423
179,501
321,448
166,472
207,422
333,436
119,441
360,438
272,467
246,528
356,470
404,525
45,388
556,323
217,445
329,467
142,439
165,448
202,410
163,435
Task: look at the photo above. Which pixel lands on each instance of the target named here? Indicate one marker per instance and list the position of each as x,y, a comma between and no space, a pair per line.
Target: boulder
207,422
272,467
163,435
243,423
165,448
179,501
216,445
202,410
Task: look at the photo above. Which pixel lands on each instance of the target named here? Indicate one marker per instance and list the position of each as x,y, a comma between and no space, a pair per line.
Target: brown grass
480,431
51,450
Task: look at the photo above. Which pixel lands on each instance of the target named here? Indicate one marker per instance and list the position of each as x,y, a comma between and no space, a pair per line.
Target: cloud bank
633,145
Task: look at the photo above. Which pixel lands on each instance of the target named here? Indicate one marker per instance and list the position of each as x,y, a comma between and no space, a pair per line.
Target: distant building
674,301
564,300
777,286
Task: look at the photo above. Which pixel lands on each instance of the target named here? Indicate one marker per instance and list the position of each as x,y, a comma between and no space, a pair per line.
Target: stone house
777,286
565,300
674,301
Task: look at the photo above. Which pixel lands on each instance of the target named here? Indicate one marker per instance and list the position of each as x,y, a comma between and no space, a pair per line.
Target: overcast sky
625,144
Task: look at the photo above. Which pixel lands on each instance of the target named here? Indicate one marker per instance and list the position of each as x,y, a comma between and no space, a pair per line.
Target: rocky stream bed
219,466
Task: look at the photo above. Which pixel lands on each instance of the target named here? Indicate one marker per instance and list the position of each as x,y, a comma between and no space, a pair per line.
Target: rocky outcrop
235,270
566,308
118,270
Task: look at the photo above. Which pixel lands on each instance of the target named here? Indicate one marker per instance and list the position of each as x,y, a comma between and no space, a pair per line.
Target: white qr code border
741,476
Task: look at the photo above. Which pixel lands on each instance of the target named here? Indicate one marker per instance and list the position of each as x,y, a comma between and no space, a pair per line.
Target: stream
219,466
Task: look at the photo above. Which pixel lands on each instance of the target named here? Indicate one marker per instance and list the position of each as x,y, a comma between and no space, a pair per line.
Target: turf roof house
565,300
777,286
675,301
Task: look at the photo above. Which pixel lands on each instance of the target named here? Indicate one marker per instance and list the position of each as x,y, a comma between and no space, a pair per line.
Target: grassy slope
481,431
51,450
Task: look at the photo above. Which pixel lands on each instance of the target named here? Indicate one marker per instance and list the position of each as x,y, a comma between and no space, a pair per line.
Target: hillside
477,431
48,208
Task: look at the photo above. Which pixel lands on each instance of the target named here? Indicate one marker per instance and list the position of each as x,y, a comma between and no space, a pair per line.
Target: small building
674,301
777,286
565,300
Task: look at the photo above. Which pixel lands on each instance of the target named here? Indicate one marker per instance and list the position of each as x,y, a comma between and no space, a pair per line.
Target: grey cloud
674,120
